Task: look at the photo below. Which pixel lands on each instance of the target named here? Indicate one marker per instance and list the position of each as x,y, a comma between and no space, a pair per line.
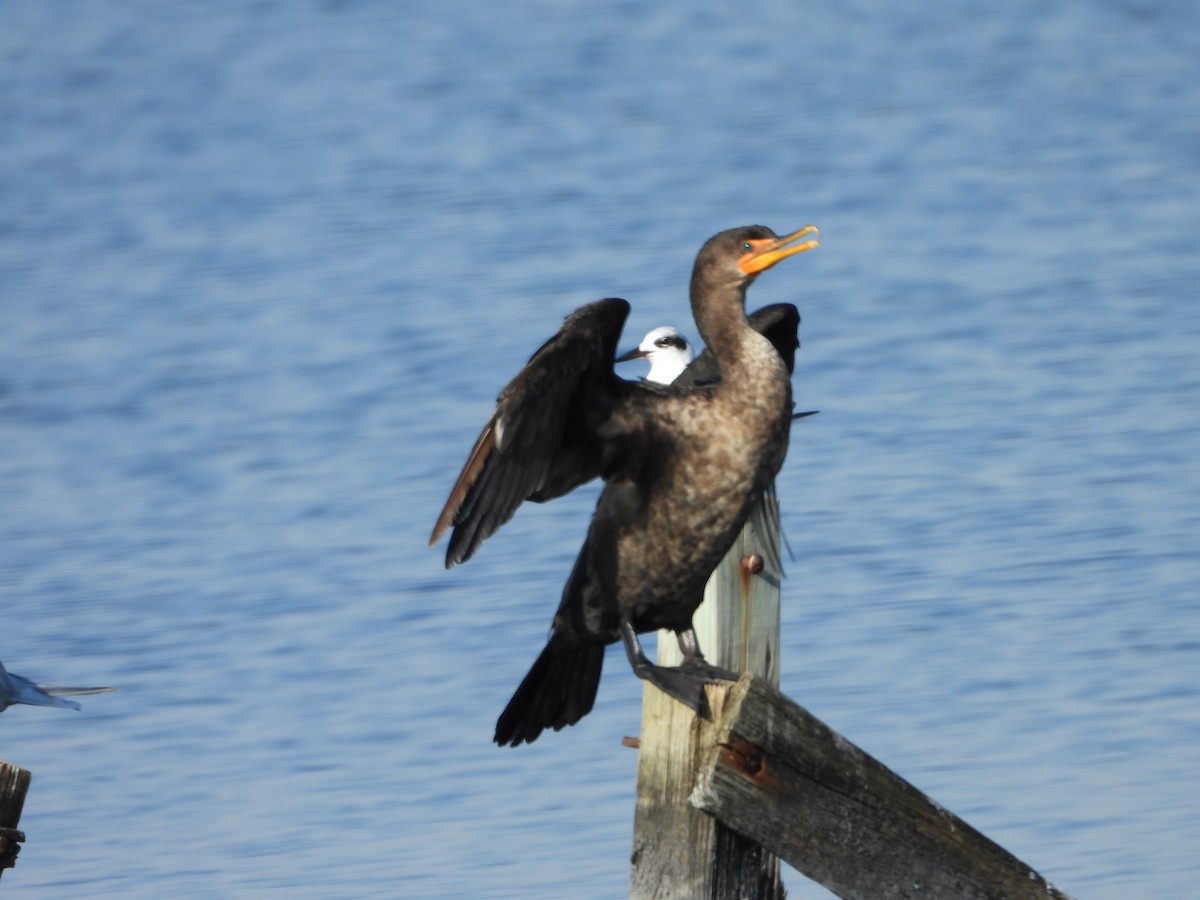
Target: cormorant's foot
702,668
686,681
683,684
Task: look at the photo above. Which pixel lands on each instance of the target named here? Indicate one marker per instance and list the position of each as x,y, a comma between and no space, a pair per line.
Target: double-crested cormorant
16,689
668,351
682,469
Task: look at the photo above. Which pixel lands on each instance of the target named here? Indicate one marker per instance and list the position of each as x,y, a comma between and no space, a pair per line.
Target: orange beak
769,251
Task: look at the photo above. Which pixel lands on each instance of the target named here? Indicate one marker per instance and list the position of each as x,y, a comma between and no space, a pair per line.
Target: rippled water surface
264,266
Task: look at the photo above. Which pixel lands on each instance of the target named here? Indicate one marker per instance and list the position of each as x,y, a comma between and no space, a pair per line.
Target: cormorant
682,469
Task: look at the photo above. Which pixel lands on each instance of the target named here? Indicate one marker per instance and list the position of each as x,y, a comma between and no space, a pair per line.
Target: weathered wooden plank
14,783
679,851
784,779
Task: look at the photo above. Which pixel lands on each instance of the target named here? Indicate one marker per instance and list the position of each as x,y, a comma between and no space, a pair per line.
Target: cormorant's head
741,254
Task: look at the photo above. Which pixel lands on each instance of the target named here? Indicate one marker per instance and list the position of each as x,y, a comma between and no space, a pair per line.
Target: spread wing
539,442
779,323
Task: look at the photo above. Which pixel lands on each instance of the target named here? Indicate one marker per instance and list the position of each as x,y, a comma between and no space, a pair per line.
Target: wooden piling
14,784
722,799
679,851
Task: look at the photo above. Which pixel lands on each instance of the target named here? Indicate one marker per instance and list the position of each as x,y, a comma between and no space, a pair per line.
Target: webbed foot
702,668
684,682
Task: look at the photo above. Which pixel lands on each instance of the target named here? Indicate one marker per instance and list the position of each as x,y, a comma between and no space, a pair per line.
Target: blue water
264,266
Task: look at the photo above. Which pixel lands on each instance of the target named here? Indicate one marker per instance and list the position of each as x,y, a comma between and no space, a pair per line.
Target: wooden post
14,783
679,851
785,779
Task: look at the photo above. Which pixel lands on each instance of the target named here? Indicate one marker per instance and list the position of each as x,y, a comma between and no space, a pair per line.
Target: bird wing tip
466,478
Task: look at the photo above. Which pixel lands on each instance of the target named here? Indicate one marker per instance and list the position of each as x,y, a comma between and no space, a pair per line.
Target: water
263,269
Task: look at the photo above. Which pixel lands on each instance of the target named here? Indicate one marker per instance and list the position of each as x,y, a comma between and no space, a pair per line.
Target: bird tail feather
558,691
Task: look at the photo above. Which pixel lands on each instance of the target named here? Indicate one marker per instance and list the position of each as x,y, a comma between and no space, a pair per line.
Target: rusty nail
753,563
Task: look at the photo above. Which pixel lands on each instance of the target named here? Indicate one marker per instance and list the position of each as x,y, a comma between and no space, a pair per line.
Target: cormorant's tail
558,691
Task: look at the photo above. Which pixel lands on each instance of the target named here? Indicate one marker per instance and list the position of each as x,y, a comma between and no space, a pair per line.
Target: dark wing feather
779,323
536,443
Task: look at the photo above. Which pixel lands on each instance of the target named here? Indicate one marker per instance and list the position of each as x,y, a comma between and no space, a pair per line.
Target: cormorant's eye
746,248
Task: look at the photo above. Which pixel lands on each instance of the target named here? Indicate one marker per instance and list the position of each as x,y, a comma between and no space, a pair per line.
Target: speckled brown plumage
682,467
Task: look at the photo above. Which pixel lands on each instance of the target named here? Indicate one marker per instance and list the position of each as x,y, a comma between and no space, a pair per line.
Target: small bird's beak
769,251
636,353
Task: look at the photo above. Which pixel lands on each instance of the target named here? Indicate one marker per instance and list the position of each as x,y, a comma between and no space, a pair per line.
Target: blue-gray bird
16,689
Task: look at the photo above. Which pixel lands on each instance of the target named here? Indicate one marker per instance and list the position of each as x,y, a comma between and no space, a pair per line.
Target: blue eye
746,248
